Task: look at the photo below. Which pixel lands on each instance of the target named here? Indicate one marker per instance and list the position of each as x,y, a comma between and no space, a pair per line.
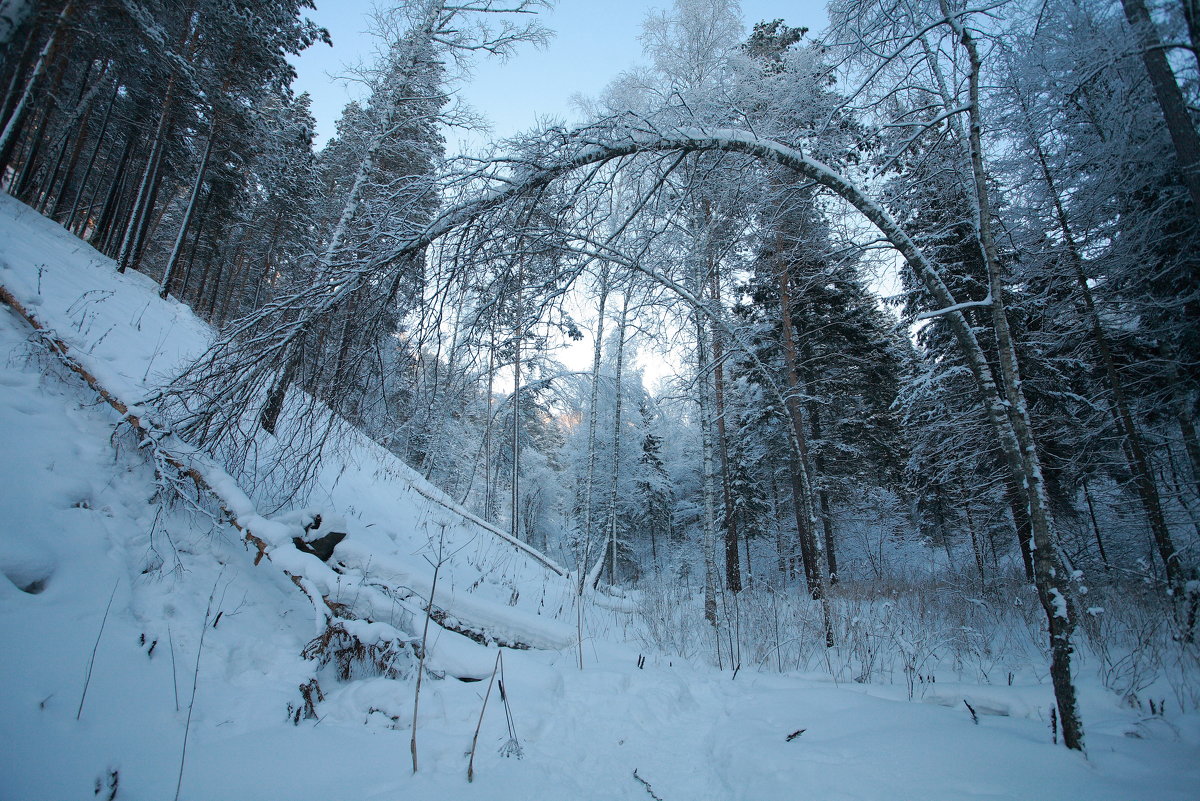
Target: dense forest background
1004,438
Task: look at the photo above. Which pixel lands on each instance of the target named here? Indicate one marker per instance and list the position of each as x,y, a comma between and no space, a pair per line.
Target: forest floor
132,628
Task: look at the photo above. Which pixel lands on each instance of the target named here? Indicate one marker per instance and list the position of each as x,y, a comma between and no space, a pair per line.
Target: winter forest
864,358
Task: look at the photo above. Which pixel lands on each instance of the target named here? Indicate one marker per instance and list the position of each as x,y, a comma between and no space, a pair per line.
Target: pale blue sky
595,40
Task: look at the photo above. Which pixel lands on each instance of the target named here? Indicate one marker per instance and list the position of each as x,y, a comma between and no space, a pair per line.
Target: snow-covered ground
162,616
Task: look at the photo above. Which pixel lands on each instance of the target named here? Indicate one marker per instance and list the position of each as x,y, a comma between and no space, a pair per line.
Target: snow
1059,602
81,524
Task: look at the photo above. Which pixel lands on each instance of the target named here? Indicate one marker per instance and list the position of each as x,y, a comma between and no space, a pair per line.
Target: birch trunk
733,570
516,412
12,126
708,535
1050,574
12,92
169,270
585,576
616,439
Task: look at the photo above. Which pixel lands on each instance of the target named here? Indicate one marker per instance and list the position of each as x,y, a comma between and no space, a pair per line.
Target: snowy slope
81,525
117,327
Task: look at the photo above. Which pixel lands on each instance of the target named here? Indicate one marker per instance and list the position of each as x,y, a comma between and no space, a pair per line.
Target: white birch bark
189,211
616,439
586,577
708,471
13,125
1050,575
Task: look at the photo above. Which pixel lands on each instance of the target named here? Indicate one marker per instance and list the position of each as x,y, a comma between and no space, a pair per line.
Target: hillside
137,617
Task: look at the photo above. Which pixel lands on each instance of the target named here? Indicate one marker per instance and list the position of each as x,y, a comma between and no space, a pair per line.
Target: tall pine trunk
1170,99
69,223
1138,462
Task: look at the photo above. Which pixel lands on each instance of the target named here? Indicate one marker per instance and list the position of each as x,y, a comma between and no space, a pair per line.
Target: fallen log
151,435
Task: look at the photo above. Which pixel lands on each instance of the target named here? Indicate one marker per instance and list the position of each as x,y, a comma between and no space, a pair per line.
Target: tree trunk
976,547
12,91
802,498
150,220
488,512
47,185
69,223
1188,431
169,270
802,486
1170,98
516,413
1087,496
733,570
20,186
590,455
12,126
782,552
814,416
76,124
273,406
1139,464
234,284
1191,14
1050,574
104,223
182,292
616,439
139,212
87,171
708,535
423,34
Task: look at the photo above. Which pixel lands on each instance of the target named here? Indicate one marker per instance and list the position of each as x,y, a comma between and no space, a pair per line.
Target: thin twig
513,746
92,661
187,727
412,744
479,725
646,784
174,674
